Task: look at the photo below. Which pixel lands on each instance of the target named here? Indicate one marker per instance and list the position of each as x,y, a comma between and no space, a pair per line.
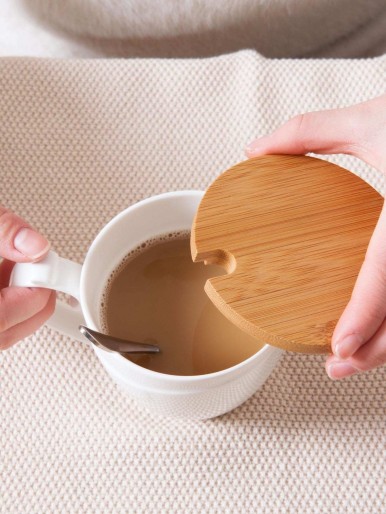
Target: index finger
5,272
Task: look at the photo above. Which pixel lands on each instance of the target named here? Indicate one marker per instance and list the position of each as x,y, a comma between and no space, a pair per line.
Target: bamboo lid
291,232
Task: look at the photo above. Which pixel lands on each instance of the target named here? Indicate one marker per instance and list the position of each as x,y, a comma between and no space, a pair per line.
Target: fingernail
254,146
347,346
337,370
30,243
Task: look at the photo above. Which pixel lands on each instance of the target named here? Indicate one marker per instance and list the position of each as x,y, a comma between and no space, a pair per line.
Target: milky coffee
156,295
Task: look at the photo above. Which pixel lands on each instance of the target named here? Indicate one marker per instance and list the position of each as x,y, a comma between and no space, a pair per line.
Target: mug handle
54,272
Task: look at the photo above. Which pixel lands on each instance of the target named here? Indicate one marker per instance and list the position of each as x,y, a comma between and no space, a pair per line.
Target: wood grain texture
292,232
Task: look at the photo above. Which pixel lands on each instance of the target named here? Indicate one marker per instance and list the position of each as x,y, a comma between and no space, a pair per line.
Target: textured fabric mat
80,141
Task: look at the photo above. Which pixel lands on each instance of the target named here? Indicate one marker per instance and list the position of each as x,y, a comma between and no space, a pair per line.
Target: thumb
355,130
319,132
19,242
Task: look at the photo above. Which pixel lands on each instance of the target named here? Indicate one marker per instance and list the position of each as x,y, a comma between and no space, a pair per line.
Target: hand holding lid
292,232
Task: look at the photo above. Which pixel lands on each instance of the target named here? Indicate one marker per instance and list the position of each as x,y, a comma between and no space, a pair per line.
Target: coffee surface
156,295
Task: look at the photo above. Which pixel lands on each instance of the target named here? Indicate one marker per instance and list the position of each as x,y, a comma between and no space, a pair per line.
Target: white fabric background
81,140
192,28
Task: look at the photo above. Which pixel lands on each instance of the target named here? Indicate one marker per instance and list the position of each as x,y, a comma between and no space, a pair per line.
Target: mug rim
118,358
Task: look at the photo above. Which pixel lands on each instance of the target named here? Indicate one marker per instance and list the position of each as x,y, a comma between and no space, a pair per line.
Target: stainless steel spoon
114,344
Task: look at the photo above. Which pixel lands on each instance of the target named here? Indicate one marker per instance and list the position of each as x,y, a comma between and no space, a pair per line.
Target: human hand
359,338
22,309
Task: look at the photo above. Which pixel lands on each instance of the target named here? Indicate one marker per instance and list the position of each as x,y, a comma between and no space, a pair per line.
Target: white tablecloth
80,141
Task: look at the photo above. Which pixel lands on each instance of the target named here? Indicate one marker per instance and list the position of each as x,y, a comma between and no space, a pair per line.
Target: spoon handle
114,344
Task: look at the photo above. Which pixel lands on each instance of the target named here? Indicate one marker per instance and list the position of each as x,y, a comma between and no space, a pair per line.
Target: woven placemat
79,142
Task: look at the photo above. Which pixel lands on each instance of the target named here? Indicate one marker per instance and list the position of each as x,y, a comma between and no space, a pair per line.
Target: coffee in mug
156,295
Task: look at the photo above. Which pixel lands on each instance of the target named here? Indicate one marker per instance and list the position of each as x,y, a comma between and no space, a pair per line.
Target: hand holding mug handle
22,310
58,274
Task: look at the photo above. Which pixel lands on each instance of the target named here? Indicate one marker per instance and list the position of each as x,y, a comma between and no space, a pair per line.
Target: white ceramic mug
191,397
